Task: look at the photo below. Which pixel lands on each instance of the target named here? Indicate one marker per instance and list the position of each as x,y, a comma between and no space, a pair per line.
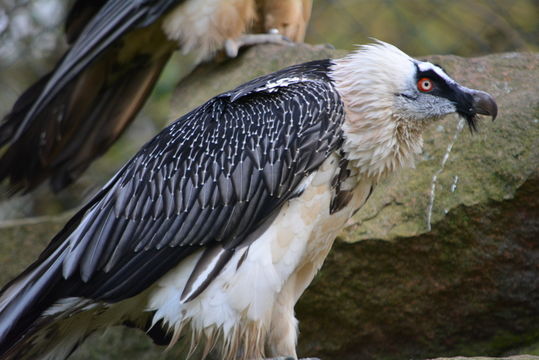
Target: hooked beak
475,102
484,104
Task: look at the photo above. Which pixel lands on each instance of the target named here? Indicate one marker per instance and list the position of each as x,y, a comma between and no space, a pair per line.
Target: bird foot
232,46
290,358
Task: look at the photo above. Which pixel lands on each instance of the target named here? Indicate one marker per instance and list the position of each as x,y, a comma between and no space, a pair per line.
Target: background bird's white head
389,97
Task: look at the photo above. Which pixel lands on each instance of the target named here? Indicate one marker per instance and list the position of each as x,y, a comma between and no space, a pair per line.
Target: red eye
425,84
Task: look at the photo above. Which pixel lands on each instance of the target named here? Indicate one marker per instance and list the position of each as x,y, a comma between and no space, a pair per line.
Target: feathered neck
377,141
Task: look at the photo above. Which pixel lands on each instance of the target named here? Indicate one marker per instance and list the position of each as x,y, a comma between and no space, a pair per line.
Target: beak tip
492,110
485,104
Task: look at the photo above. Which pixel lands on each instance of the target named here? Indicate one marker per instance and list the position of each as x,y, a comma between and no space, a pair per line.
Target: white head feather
379,136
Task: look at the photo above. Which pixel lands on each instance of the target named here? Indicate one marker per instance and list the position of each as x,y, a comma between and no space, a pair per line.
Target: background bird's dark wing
81,12
74,113
113,20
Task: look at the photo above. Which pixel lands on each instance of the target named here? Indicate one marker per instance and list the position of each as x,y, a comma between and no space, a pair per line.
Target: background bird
214,229
117,50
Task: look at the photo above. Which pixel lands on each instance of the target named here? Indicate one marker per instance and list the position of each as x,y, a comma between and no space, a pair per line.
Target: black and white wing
206,182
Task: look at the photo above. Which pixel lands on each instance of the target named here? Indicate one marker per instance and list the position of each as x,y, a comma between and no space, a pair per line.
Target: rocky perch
442,261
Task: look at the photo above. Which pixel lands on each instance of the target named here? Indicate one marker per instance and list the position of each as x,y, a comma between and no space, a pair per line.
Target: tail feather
55,335
24,299
36,321
46,343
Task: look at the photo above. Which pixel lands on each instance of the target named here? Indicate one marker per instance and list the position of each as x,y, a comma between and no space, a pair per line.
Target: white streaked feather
203,275
376,139
67,305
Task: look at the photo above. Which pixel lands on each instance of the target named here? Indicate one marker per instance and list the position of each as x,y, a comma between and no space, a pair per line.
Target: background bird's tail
61,139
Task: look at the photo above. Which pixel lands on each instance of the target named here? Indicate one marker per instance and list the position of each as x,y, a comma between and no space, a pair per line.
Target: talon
287,41
290,358
231,48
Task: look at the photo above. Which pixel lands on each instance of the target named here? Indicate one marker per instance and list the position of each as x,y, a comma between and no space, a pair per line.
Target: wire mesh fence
460,27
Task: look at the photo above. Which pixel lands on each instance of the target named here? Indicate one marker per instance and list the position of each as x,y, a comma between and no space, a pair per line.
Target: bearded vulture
211,233
117,50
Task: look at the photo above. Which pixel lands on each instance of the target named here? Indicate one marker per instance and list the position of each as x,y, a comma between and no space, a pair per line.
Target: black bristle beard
471,120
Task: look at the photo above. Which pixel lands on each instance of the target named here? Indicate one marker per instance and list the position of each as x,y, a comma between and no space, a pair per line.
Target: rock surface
443,260
459,275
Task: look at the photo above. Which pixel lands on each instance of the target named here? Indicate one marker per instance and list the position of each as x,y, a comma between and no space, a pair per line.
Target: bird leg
232,46
289,358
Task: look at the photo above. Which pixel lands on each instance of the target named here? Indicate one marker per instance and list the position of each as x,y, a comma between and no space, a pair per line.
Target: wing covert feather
210,179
